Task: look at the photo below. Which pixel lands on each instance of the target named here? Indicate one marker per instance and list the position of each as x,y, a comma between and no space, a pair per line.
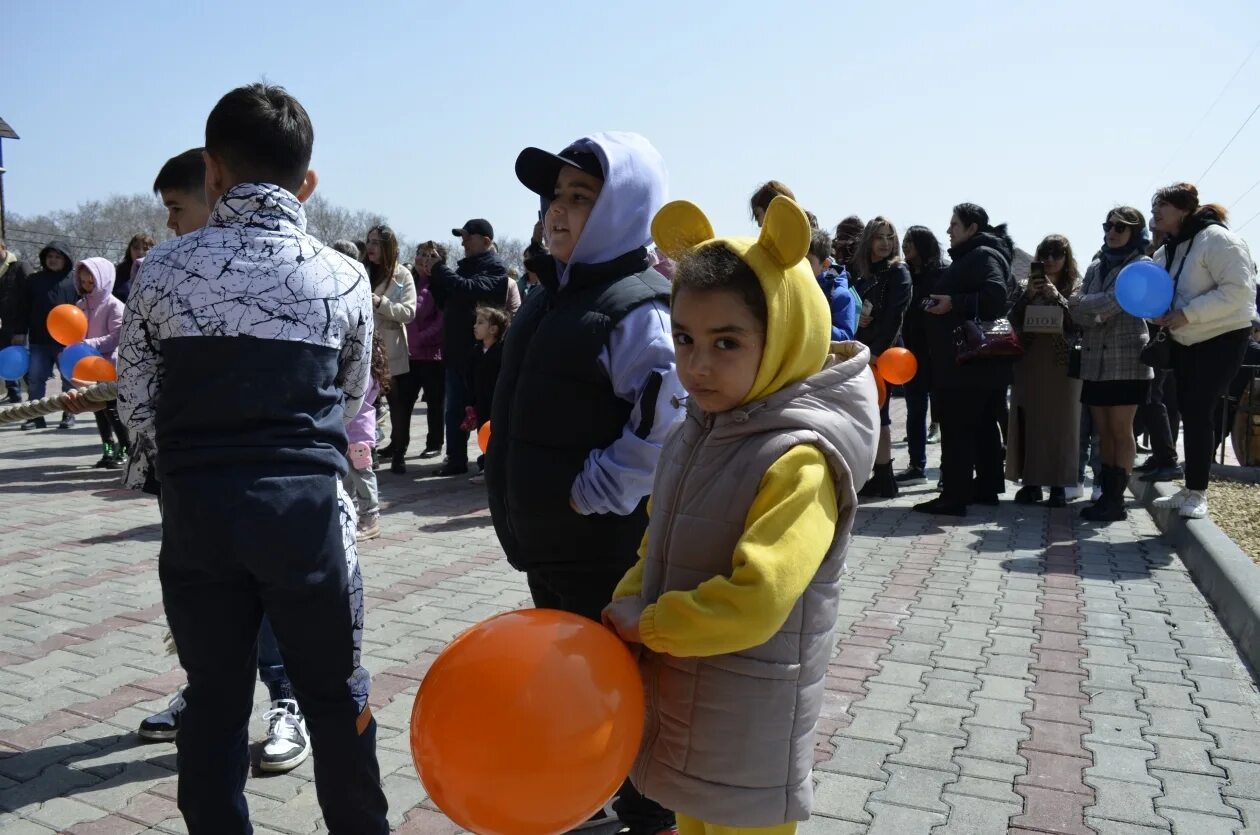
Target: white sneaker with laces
1173,502
288,744
164,725
1195,505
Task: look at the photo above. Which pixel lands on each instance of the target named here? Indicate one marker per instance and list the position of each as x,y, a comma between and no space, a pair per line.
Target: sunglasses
1054,254
1118,226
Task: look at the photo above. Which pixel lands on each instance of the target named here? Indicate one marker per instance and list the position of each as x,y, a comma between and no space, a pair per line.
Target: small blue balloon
15,361
1144,289
71,356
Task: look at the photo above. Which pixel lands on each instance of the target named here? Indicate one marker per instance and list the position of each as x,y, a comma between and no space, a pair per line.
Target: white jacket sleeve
1233,278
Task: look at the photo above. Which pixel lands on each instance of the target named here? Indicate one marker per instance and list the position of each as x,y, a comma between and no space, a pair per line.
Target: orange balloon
67,324
483,437
897,366
94,370
882,388
527,723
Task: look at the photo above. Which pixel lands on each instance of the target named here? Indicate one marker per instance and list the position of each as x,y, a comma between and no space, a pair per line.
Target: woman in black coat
969,399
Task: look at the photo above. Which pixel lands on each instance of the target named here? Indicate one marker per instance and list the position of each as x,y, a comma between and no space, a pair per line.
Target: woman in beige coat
393,306
1043,435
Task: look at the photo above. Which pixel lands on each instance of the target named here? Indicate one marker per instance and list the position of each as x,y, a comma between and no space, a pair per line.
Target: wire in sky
1211,107
1230,142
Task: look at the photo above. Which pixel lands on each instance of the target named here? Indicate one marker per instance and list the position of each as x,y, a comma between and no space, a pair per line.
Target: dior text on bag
1043,318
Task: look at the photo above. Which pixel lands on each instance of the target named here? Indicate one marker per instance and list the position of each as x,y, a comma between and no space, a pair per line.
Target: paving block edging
1229,579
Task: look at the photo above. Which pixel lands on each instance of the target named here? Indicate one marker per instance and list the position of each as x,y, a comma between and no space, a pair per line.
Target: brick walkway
1023,672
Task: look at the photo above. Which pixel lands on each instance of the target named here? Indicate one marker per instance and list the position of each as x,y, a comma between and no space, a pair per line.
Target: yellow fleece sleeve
787,534
632,583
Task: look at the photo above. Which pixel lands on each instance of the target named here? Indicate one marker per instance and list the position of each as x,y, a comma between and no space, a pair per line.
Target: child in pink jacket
94,279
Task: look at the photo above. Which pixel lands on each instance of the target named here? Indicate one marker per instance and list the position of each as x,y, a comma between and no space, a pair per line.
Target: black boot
883,483
107,453
398,462
1110,508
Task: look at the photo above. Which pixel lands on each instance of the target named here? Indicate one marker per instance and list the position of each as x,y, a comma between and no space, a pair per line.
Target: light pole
6,132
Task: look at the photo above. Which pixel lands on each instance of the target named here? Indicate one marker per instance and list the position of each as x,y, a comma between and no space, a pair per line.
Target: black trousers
429,378
585,590
1161,418
1203,372
972,455
110,425
236,544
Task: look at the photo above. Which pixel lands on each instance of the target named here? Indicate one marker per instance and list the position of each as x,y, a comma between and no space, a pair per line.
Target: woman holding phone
1043,435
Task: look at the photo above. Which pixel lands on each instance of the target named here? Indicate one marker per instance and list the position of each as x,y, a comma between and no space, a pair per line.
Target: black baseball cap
538,170
476,226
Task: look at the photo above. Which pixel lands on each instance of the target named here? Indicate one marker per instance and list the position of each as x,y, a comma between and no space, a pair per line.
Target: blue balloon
14,362
1145,290
71,356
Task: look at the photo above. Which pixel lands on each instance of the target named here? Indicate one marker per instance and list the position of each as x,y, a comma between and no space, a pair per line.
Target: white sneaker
1195,505
1173,502
164,725
1074,493
288,745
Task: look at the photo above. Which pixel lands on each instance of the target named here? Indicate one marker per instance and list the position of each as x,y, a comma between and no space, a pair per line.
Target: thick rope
97,393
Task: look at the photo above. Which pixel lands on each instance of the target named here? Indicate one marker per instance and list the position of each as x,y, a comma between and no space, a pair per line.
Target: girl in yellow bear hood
735,593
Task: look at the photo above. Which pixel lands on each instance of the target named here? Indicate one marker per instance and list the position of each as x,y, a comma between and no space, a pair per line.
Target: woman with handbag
884,283
1114,381
1044,431
1214,288
970,300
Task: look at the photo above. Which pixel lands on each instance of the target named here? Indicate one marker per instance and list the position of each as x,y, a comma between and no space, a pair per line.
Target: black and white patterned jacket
247,341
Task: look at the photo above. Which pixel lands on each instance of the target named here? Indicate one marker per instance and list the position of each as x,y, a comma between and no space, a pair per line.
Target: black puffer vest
554,404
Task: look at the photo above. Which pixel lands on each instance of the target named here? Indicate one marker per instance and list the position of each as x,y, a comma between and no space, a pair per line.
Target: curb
1227,576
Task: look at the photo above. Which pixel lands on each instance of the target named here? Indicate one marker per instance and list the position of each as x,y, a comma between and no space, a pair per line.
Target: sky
1046,113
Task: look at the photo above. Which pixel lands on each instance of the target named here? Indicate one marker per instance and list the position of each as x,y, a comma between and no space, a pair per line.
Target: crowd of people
636,350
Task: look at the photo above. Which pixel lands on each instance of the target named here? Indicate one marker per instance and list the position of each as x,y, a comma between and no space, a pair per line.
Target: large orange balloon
483,437
67,324
897,366
527,723
94,370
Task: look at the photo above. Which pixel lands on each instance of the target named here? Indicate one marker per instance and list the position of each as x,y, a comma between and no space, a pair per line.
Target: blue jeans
43,361
457,398
917,400
1090,450
270,664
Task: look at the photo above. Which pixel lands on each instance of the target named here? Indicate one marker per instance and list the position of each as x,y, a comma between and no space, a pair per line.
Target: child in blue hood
587,390
835,287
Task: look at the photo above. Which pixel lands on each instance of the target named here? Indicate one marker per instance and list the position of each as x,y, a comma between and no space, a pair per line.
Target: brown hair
713,268
1185,196
380,364
820,245
1071,275
383,273
496,316
862,259
143,238
766,192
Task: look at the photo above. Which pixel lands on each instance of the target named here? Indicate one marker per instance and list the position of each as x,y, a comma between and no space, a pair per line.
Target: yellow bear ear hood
798,326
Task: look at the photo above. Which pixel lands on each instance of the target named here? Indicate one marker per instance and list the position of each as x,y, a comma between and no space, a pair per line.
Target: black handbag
975,340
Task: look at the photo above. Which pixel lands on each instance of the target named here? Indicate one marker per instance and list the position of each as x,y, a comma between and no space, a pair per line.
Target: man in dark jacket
969,398
480,277
588,388
13,275
51,286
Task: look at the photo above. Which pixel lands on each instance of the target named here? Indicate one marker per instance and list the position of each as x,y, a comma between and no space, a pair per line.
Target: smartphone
1036,273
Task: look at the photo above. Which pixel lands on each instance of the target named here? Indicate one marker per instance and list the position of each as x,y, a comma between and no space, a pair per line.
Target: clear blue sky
1047,113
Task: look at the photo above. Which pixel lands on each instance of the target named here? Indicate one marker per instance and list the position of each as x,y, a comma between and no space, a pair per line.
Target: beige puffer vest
729,738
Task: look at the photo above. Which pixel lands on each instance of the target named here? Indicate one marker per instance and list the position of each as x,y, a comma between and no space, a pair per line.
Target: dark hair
263,135
713,268
381,274
969,213
766,192
496,316
862,258
141,238
346,248
440,249
850,227
1071,275
1183,196
380,364
362,247
812,218
927,249
183,172
820,245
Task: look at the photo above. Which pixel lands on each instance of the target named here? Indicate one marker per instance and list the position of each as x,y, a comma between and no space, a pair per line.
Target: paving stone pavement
1019,672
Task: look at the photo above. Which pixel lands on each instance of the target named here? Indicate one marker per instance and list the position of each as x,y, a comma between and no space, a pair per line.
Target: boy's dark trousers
235,543
585,590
